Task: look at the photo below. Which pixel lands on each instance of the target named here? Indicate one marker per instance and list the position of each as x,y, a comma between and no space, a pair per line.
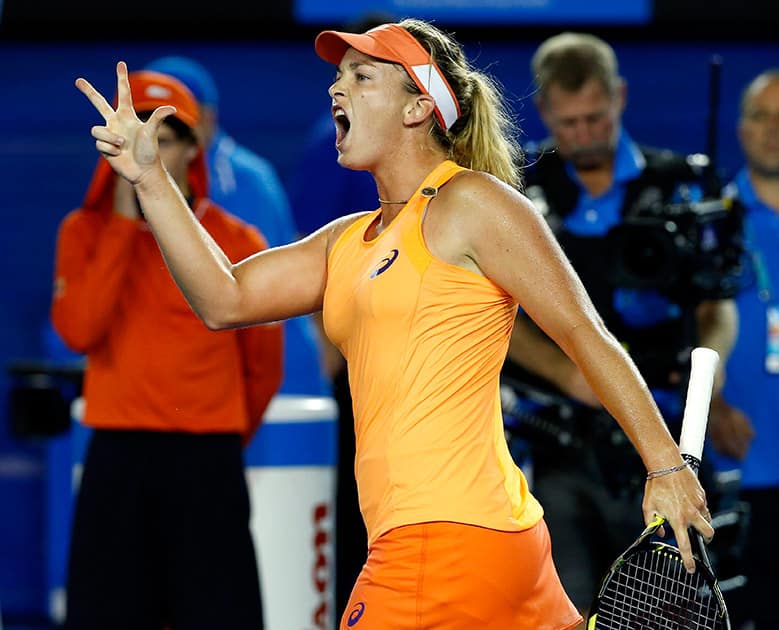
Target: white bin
291,477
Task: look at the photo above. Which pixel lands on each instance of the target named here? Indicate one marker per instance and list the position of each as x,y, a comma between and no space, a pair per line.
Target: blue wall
271,95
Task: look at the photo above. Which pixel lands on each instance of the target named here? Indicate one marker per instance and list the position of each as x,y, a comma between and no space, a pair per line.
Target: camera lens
642,255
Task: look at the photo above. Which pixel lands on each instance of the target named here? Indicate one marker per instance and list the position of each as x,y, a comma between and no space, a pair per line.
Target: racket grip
703,367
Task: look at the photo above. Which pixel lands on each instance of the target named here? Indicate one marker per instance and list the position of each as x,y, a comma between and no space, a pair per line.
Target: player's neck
398,180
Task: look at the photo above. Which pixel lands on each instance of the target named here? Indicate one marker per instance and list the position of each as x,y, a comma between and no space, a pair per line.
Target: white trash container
291,473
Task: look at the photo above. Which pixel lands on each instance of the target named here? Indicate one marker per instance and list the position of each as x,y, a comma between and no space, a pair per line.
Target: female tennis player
420,296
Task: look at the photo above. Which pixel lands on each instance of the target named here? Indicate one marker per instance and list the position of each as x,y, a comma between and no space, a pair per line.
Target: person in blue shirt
587,178
744,424
247,185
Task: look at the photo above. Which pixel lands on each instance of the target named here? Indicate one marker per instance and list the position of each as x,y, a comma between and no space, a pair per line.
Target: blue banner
480,12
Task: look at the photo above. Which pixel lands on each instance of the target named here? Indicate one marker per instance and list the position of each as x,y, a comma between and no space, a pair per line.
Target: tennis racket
647,587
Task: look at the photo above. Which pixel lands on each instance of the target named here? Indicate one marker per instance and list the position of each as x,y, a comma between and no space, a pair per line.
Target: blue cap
190,73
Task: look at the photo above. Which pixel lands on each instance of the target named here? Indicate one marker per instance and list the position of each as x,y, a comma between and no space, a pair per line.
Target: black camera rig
691,251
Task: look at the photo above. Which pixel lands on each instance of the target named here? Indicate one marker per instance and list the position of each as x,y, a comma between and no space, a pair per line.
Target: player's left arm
508,241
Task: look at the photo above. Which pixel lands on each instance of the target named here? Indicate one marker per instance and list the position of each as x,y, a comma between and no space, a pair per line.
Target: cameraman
587,179
743,422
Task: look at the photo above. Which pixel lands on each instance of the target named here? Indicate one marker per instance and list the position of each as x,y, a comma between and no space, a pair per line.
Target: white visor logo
428,76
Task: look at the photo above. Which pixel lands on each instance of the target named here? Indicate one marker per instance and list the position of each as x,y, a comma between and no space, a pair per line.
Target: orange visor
390,42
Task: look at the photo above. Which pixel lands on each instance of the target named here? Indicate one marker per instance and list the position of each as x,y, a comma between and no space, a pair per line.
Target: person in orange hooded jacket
161,530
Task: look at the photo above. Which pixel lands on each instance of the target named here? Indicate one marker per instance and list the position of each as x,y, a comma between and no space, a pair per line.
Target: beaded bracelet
665,471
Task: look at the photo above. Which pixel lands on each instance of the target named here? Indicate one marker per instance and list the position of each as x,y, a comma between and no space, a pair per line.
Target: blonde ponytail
484,138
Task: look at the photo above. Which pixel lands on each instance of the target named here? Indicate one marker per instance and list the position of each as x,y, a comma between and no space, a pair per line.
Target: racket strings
651,590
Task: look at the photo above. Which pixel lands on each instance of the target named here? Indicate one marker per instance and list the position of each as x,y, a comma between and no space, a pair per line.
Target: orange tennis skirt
450,576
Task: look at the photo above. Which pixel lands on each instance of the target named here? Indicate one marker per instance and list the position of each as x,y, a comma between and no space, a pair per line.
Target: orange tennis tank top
425,342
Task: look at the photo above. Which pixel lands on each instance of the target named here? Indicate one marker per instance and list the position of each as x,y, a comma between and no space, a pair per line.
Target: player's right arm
271,285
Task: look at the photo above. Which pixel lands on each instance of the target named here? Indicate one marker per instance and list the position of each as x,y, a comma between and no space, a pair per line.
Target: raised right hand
129,145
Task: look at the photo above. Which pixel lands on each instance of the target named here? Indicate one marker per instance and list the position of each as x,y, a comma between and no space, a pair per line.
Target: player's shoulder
479,195
338,226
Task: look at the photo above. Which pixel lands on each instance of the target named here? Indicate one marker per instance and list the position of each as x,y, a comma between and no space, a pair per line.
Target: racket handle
696,409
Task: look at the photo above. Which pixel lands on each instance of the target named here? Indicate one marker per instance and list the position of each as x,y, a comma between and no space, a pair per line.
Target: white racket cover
703,366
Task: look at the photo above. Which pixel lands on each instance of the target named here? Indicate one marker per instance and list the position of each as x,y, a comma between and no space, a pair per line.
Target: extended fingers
124,96
123,93
158,115
95,97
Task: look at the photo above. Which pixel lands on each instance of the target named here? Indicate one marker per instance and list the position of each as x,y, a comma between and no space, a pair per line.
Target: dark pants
351,539
761,556
161,536
589,526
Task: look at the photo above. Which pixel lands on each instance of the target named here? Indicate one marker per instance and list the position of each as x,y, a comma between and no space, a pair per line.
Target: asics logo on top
385,263
359,608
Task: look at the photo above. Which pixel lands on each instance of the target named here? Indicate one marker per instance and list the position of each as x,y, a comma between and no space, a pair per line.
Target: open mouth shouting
342,125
